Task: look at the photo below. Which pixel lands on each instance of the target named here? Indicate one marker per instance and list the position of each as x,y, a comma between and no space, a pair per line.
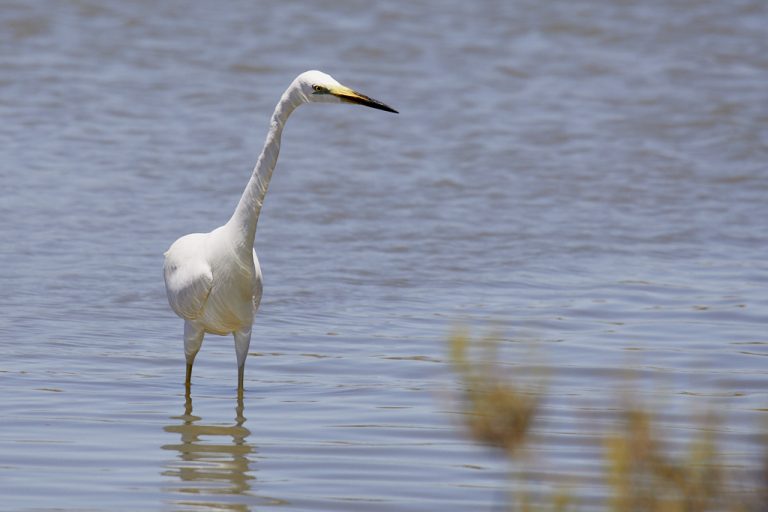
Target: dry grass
641,473
497,413
643,477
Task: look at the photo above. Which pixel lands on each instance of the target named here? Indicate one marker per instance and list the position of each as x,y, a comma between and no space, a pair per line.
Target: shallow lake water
587,181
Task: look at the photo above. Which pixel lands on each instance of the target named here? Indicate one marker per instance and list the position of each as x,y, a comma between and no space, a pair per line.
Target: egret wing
257,283
188,285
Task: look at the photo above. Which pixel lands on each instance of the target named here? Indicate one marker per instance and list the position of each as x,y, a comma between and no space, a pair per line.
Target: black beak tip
362,99
380,106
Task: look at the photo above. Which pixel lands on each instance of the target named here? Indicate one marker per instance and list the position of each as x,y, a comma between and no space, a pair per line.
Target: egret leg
242,342
240,375
193,340
188,382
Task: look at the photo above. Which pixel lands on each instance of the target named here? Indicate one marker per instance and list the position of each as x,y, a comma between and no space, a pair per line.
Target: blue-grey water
586,180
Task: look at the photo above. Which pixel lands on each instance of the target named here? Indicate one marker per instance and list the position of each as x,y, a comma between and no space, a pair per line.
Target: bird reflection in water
213,461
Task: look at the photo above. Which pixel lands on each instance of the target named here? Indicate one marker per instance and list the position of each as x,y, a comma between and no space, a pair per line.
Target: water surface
588,178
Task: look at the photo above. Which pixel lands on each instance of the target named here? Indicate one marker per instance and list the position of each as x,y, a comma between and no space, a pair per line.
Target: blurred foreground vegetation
641,473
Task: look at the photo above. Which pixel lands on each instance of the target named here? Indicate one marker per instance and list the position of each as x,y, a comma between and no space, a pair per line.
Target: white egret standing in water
213,280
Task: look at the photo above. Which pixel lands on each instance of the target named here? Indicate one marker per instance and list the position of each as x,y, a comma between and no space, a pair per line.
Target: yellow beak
348,95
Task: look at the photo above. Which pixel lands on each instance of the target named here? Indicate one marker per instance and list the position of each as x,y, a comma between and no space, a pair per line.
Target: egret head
318,87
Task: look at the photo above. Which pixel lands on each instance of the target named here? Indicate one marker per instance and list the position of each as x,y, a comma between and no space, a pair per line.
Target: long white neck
246,214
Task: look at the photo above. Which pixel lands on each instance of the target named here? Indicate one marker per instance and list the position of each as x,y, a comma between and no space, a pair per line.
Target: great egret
213,280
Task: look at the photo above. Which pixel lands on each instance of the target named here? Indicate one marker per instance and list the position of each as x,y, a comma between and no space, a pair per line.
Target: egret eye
318,88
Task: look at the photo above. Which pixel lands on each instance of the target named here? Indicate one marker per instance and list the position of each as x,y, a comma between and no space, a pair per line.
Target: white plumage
213,280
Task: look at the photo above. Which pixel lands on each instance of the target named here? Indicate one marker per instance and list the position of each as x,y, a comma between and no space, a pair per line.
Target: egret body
213,280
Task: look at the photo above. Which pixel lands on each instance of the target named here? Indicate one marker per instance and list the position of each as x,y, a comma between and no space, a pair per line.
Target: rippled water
588,177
